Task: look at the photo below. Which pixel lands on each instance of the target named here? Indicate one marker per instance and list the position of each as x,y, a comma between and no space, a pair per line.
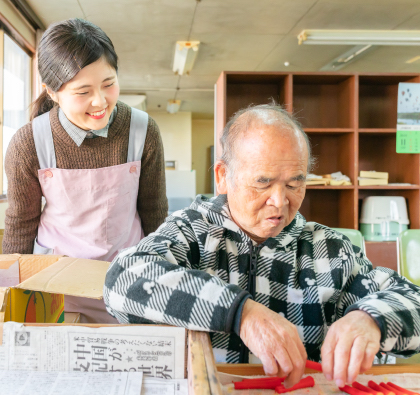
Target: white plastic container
383,218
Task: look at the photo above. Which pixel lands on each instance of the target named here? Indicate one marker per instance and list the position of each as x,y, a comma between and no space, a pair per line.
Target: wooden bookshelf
351,122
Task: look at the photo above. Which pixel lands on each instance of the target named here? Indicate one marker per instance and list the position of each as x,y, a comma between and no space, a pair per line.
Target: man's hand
350,347
274,340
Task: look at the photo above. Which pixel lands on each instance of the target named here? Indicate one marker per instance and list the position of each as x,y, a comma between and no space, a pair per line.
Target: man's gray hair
267,114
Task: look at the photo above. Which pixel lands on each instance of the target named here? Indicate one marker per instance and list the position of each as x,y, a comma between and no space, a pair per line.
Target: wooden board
254,370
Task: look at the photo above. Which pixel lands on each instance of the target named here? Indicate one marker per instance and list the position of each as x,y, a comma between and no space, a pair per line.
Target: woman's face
89,98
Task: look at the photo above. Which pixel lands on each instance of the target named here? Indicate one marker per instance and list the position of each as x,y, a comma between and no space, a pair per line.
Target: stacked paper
373,178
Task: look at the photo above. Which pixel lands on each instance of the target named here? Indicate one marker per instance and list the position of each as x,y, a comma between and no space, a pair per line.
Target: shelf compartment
243,90
324,101
382,253
333,152
378,99
411,196
378,152
330,207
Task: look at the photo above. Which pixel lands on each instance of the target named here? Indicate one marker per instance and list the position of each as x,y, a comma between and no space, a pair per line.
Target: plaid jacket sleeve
390,299
158,281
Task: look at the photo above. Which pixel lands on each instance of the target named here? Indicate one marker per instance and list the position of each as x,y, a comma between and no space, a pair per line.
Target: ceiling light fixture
134,100
347,57
173,106
287,64
185,55
359,37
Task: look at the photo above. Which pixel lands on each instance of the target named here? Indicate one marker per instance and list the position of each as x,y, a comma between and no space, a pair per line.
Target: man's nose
278,197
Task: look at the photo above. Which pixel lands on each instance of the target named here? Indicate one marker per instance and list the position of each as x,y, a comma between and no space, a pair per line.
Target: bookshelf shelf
351,122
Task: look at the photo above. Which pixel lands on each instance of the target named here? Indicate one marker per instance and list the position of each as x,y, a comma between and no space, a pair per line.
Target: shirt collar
78,135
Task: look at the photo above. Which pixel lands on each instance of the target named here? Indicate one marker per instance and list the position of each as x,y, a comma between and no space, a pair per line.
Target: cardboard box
36,285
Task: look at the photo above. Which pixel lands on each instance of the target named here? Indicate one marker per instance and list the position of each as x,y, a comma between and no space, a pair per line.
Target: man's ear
51,93
220,173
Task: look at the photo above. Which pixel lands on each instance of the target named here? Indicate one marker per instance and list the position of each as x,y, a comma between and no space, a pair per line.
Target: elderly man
247,266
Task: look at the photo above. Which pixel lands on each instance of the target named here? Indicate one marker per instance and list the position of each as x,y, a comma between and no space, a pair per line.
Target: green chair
355,237
408,253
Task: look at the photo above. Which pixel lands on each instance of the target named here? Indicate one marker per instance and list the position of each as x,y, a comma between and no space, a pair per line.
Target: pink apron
89,213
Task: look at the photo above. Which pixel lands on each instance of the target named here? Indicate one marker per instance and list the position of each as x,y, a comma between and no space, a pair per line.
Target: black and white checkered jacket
194,272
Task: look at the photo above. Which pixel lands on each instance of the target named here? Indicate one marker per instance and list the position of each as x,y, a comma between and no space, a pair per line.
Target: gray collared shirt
78,135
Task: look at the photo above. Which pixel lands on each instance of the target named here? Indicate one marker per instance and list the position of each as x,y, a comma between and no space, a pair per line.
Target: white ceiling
235,35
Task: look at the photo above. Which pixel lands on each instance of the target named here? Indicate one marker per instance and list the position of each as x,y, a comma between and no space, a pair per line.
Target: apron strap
138,131
44,143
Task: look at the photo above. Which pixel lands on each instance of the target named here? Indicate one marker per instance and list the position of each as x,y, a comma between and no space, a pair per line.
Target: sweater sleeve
23,194
152,203
159,280
390,299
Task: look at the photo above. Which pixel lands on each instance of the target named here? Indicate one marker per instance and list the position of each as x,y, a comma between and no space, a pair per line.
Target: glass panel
16,92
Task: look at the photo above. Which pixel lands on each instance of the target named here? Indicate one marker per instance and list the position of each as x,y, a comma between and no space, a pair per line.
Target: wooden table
202,369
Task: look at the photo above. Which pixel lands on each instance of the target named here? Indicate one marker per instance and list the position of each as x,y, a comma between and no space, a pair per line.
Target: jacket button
48,174
133,169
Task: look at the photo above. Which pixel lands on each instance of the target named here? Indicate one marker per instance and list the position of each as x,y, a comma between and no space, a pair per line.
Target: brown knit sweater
24,191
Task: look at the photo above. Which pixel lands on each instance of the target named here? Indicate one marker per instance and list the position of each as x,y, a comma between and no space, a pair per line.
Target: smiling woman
98,163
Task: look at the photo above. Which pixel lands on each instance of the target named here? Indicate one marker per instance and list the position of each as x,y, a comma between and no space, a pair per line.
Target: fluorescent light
185,55
359,37
173,106
134,100
347,57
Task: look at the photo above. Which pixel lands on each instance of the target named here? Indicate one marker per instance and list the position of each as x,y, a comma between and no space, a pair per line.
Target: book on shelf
374,174
372,181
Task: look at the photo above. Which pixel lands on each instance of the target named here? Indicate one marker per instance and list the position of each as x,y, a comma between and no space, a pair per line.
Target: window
16,92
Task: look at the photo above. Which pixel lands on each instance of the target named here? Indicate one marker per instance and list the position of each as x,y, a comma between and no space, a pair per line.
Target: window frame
7,28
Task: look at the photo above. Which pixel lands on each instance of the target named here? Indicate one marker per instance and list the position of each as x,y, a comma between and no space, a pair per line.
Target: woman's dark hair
65,48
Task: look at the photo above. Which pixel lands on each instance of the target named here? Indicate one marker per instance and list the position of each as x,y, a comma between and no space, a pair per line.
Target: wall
176,136
202,140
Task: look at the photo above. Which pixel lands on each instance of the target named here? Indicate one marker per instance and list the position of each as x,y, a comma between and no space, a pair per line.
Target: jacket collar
216,210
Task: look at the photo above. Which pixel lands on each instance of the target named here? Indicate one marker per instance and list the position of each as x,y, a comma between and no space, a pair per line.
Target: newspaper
164,387
18,382
156,351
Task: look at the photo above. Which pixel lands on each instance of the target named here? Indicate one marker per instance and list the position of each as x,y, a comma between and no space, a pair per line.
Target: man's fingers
371,351
269,365
298,361
341,360
327,355
357,355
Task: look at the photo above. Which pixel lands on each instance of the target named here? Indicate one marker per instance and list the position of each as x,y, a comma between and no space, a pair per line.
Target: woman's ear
51,94
220,176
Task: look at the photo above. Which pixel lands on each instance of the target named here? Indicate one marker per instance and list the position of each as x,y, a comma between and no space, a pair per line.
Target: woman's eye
82,93
108,86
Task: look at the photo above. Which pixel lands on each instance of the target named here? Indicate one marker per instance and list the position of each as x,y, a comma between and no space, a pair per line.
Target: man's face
268,185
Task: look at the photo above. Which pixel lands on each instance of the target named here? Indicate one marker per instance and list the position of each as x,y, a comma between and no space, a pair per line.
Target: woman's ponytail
41,105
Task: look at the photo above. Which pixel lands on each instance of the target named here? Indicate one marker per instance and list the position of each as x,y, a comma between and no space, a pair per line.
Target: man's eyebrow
88,86
300,177
263,179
